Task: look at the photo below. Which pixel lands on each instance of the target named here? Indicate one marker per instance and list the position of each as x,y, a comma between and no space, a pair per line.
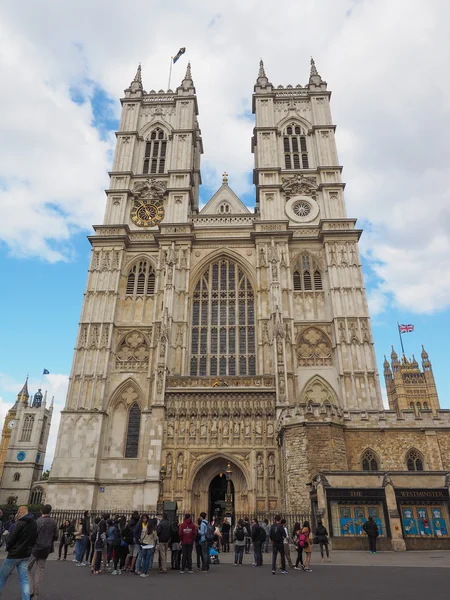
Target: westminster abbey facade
228,342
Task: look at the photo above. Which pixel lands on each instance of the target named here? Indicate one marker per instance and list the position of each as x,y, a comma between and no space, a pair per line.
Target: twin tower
220,340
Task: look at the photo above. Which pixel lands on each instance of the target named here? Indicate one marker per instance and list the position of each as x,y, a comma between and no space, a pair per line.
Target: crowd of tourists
117,545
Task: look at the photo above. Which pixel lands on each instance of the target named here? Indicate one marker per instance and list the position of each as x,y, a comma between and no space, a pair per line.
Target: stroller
214,555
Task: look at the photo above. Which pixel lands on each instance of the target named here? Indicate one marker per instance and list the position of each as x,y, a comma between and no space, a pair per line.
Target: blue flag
46,372
179,54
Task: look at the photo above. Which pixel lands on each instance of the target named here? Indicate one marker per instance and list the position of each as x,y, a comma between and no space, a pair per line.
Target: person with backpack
277,535
110,533
120,545
175,551
305,540
206,539
164,532
67,530
296,541
239,542
258,539
98,544
371,528
322,538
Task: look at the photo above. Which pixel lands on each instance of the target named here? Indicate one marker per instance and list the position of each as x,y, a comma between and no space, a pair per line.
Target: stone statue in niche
236,429
258,428
180,465
271,465
269,429
226,429
262,257
260,466
169,466
182,429
192,430
170,429
203,430
247,428
214,428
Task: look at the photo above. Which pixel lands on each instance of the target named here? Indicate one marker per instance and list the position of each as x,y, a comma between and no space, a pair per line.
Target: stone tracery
314,348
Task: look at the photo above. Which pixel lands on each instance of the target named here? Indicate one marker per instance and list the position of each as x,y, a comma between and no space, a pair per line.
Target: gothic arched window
224,208
27,428
223,322
369,461
295,147
414,460
134,425
425,406
141,280
155,152
37,495
16,477
307,275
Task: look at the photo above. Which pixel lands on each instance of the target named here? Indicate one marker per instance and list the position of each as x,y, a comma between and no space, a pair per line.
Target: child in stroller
214,554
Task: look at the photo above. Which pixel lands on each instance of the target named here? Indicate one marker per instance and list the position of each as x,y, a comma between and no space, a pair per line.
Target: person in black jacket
277,535
256,533
322,538
20,544
47,534
163,531
371,528
67,530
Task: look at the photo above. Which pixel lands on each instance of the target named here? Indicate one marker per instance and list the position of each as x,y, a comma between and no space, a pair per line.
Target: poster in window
345,522
439,524
423,521
374,512
359,520
409,523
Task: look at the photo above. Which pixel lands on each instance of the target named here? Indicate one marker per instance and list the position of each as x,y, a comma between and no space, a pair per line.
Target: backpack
240,534
303,540
262,535
276,533
209,533
94,533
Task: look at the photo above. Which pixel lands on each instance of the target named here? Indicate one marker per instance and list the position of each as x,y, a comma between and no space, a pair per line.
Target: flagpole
42,377
170,72
400,336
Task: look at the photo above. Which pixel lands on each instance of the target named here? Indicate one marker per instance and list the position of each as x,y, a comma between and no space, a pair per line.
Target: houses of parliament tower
224,344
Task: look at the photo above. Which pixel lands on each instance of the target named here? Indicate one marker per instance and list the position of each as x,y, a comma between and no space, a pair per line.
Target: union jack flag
406,328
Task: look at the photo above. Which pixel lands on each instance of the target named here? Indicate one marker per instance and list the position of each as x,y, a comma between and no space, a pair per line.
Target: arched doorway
207,487
218,495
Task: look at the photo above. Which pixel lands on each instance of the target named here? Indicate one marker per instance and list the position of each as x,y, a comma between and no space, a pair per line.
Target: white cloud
385,62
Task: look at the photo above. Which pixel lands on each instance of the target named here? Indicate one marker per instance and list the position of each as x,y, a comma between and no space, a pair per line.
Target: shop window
425,520
348,518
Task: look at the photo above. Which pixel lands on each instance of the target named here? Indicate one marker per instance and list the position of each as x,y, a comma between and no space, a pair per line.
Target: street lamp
162,476
228,497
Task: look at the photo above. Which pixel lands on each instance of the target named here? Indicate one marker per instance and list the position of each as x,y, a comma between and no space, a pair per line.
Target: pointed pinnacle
313,68
188,72
138,76
262,72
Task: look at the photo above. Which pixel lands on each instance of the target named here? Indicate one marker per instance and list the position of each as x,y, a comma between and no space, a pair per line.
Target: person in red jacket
188,531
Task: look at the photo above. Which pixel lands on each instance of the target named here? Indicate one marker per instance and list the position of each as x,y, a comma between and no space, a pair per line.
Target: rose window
301,209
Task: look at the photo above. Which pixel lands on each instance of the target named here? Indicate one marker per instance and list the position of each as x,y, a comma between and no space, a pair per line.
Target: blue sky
390,104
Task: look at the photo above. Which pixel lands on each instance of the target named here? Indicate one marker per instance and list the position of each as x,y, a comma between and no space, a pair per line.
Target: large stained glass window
223,322
134,425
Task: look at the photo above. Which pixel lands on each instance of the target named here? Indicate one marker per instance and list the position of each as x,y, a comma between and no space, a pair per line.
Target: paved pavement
331,581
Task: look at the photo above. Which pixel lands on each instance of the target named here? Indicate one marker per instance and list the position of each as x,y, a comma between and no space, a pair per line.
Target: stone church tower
28,424
204,334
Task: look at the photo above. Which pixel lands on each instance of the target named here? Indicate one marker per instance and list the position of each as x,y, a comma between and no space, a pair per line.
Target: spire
386,363
262,72
314,77
394,355
262,80
424,354
52,402
138,76
24,391
136,84
187,81
188,72
414,362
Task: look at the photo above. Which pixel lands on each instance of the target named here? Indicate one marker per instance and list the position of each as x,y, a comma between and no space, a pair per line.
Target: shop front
349,509
424,516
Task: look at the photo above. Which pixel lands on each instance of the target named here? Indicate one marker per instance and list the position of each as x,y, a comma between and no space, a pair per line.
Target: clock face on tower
147,213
